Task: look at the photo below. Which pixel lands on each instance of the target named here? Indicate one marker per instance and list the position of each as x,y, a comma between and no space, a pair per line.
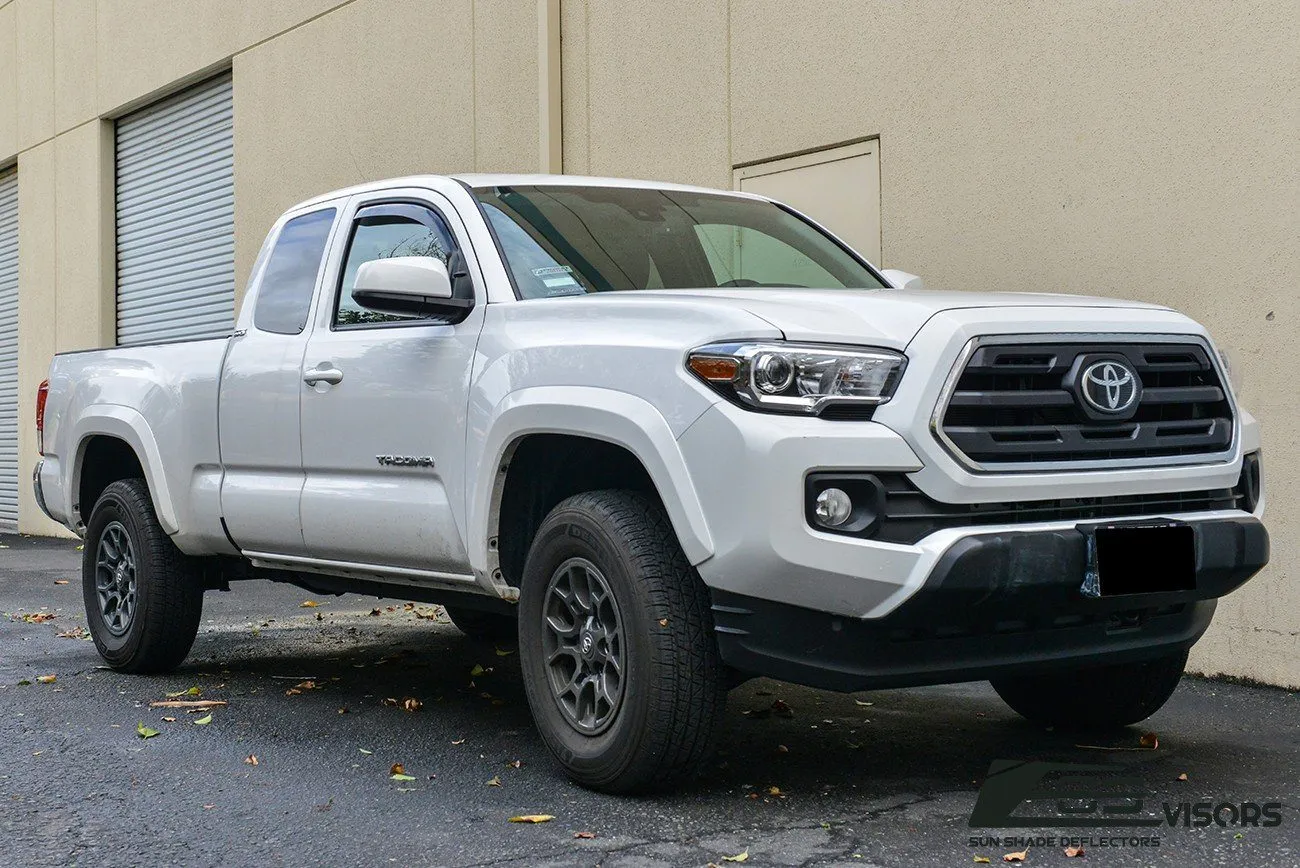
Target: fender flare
129,426
601,414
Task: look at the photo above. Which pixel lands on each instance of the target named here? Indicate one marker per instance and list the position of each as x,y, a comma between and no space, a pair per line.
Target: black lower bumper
994,604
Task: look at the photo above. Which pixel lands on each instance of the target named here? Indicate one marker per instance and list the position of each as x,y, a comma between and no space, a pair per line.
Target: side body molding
602,414
130,426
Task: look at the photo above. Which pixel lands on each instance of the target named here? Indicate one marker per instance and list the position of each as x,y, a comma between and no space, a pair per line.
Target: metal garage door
8,350
176,217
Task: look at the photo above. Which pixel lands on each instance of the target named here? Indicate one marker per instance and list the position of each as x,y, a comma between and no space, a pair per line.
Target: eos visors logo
1109,386
404,461
1070,795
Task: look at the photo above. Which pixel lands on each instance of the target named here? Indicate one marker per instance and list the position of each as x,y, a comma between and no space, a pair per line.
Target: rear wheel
616,644
143,595
488,626
1097,697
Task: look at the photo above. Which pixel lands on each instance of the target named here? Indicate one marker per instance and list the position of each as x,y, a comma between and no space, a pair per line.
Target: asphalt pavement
318,694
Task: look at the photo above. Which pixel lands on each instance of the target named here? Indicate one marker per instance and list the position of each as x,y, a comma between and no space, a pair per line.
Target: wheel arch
115,442
627,443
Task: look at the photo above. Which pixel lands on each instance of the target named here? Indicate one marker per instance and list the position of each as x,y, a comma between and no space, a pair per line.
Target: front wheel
1097,697
143,596
616,643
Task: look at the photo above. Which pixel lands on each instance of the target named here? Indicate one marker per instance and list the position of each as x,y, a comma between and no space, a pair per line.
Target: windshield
568,240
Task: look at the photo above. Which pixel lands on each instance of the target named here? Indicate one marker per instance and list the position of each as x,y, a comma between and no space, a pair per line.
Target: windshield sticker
552,271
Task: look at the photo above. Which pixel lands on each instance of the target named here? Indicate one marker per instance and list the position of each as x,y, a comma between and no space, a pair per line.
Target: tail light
42,394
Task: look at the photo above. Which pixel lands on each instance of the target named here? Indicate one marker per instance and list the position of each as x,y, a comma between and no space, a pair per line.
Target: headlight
798,378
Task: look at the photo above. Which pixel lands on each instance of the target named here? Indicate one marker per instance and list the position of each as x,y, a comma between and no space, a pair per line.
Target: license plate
1140,559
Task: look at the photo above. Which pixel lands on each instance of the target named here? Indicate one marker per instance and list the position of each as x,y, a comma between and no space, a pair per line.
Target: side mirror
409,286
902,280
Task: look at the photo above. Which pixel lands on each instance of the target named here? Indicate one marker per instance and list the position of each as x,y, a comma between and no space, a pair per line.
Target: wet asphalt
887,778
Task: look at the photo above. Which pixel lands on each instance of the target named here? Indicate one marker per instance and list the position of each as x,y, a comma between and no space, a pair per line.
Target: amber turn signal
714,370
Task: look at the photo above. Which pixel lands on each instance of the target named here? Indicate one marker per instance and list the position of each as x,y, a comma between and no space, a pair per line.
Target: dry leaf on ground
251,759
308,604
586,836
1073,852
1020,856
532,818
739,857
144,731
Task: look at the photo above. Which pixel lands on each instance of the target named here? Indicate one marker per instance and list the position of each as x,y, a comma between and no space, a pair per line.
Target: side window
385,231
284,296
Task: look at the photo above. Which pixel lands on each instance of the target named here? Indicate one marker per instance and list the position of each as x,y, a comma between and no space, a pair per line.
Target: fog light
833,507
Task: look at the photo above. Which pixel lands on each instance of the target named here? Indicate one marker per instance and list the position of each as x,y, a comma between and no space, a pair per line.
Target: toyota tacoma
670,438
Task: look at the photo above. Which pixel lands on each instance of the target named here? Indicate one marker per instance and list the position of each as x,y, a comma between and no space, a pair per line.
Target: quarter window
284,296
383,232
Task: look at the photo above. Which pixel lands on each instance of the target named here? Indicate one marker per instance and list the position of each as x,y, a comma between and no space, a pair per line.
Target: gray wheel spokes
582,642
115,578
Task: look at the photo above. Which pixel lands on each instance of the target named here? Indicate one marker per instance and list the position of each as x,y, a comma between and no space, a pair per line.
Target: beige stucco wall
1134,149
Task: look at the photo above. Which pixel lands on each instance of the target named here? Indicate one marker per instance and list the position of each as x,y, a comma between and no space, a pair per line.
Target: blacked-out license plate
1141,559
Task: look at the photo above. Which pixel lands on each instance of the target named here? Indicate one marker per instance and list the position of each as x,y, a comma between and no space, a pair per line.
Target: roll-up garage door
8,351
176,217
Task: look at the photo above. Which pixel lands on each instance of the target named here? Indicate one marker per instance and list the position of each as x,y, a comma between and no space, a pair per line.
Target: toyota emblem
1109,386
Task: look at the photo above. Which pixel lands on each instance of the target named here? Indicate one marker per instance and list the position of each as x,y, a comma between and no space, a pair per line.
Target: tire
154,631
1099,697
485,626
653,618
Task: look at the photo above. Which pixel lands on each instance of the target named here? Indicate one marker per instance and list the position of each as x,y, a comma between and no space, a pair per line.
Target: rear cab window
289,279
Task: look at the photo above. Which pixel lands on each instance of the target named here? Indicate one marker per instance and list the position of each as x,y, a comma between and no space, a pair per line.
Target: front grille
1020,403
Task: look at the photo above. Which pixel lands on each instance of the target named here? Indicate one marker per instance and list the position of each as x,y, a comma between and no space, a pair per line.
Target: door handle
323,373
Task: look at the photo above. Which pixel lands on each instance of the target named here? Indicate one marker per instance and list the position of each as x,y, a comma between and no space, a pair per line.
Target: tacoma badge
404,461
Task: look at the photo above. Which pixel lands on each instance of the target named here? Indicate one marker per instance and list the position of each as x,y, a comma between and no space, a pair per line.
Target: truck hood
881,317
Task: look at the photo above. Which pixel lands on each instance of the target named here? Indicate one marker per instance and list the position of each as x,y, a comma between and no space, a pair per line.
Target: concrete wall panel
35,54
505,85
75,84
8,82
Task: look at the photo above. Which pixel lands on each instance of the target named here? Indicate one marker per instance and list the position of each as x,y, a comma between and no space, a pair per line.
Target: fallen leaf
774,791
77,632
343,709
504,652
862,703
459,741
401,777
663,622
739,857
366,752
208,807
1015,857
1149,740
495,782
476,671
58,581
388,701
144,731
781,709
982,860
532,818
1183,776
37,617
169,719
251,759
308,604
395,769
780,748
515,764
1073,851
23,682
46,679
410,703
203,721
586,836
375,612
193,691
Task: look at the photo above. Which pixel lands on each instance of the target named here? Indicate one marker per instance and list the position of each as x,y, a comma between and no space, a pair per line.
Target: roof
511,180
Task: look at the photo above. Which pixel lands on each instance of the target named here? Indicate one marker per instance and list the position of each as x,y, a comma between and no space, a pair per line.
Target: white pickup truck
672,438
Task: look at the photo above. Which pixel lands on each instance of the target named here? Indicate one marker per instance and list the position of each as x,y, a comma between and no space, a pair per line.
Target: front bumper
994,603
